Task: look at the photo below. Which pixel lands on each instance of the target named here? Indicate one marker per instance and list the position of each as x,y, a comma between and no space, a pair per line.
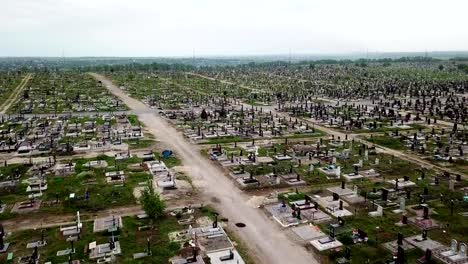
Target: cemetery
352,164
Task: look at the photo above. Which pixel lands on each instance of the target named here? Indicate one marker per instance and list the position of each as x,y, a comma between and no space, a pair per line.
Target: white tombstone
453,245
377,213
366,154
78,220
451,184
359,164
334,160
355,190
338,171
402,203
377,161
311,167
462,252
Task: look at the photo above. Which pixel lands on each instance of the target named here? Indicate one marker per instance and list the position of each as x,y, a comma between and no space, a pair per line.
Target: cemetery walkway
8,102
266,241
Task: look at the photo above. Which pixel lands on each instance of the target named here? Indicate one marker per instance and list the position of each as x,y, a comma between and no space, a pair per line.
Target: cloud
221,27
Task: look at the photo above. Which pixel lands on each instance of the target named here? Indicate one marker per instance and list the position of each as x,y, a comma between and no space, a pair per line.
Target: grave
96,164
423,220
354,198
115,177
111,248
326,243
341,190
423,242
26,206
282,214
109,224
402,183
229,256
331,171
400,242
308,232
455,254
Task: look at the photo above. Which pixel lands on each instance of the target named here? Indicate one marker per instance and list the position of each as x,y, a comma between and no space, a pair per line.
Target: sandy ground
266,241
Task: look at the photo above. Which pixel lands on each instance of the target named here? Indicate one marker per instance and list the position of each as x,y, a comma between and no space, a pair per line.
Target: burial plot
402,182
115,177
292,179
30,259
354,198
25,207
310,212
64,169
283,214
308,232
331,171
108,224
96,164
455,254
228,256
423,220
423,242
326,243
400,242
104,250
40,243
341,190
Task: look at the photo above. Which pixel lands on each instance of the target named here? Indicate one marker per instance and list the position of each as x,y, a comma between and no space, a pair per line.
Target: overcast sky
236,27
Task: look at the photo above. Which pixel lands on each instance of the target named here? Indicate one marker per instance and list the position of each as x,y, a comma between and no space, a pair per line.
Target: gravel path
267,242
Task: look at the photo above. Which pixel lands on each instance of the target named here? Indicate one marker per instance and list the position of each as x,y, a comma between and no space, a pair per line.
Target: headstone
428,256
426,212
400,256
384,195
400,239
451,184
336,197
404,220
463,249
402,203
453,245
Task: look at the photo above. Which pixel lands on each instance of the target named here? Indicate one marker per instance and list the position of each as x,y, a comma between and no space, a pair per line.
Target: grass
131,240
388,142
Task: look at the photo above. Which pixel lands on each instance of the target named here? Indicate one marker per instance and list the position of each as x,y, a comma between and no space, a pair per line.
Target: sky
141,28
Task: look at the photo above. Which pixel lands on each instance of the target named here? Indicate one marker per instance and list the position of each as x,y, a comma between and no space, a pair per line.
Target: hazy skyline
216,27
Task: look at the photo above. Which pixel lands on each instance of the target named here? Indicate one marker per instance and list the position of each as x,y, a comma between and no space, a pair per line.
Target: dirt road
267,242
8,102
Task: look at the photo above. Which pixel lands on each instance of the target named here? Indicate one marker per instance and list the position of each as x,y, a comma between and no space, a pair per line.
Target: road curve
267,242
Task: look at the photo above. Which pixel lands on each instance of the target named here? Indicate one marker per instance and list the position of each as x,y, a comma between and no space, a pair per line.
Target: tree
152,203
